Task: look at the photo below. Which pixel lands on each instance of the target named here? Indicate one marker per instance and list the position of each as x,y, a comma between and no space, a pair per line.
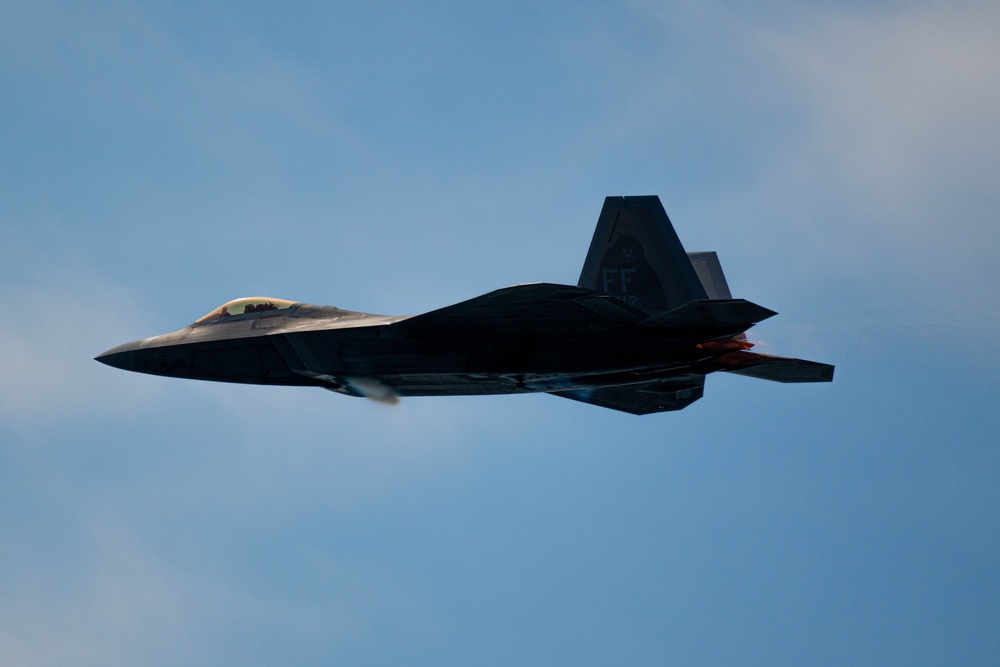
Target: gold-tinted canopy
246,305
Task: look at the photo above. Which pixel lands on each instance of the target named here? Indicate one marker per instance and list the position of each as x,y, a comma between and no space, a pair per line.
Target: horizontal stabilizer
526,309
725,314
777,369
643,398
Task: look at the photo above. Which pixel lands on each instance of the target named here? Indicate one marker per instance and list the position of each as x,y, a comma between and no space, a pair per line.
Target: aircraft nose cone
123,356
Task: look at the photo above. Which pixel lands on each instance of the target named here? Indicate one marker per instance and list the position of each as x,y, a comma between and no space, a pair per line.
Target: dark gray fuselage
323,346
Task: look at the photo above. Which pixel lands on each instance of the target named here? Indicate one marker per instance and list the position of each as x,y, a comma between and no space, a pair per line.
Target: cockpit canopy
246,306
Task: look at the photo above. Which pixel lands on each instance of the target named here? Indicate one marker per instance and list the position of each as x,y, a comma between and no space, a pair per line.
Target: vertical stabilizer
636,256
709,270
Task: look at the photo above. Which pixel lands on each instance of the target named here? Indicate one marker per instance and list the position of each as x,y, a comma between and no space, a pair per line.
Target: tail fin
709,270
636,256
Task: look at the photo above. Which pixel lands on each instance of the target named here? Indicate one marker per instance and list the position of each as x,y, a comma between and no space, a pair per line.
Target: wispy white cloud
901,153
903,110
113,598
176,77
57,321
876,155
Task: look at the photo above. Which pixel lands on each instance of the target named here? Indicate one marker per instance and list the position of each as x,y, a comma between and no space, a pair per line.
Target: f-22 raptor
639,332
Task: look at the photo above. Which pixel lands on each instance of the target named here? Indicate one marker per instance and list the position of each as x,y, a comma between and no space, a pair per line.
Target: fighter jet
639,332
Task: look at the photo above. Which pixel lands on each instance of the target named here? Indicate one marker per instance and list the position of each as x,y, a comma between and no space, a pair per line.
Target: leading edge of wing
532,308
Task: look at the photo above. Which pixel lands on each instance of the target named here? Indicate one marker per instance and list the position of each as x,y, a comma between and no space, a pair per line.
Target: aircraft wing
643,398
530,309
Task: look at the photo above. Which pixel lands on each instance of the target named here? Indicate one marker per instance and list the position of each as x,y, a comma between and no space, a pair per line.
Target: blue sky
160,159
